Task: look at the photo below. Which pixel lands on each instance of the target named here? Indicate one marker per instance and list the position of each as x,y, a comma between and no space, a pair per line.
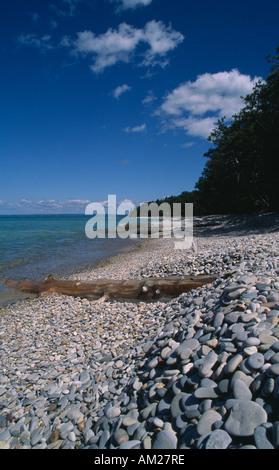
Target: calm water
36,246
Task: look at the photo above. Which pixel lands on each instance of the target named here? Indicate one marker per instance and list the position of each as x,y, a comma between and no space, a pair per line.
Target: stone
104,439
112,412
165,440
218,319
241,391
248,351
275,358
275,434
119,364
205,392
36,436
255,361
72,436
236,293
65,429
233,363
84,377
275,346
218,439
55,435
273,370
251,341
191,344
244,417
260,438
74,413
207,420
267,339
120,436
205,365
269,387
134,444
128,421
175,404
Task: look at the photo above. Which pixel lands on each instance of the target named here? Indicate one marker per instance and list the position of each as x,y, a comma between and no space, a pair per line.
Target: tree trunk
144,289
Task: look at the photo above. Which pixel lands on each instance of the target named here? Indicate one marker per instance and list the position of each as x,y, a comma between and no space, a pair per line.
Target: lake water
35,246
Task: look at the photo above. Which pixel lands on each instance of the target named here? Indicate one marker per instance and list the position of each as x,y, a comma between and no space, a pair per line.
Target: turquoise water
38,245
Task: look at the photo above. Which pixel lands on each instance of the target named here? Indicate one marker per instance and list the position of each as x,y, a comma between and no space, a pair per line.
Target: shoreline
12,296
204,226
78,373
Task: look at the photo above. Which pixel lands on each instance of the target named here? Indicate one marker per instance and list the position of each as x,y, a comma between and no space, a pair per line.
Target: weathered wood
150,288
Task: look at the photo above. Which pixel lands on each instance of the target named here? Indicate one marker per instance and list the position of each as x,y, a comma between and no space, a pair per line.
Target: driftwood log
144,289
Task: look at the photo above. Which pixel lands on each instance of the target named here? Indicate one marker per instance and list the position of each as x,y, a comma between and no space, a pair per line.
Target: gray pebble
274,357
273,371
233,363
134,444
244,417
218,439
104,439
165,440
207,420
205,392
256,361
275,434
260,438
112,412
120,436
65,429
241,391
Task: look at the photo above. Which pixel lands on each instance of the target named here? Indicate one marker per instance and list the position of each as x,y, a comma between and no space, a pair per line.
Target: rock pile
200,371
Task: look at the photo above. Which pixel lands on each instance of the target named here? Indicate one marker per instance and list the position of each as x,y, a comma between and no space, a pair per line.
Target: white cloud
119,45
198,127
118,91
44,206
187,145
26,201
43,43
131,4
161,40
149,98
79,202
196,106
135,129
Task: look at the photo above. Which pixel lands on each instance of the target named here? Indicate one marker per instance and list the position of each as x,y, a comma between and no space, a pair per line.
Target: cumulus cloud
119,45
132,4
135,129
43,43
46,205
26,201
118,91
161,40
197,106
150,97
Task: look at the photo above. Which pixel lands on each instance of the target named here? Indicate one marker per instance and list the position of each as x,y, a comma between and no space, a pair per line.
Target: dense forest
241,174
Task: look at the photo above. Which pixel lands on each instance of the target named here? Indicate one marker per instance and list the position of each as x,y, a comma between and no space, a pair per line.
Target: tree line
241,174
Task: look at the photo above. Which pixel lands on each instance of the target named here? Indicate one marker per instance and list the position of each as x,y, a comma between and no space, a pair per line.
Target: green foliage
241,174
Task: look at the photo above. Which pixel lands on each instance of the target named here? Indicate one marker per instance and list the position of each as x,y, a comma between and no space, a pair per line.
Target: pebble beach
200,371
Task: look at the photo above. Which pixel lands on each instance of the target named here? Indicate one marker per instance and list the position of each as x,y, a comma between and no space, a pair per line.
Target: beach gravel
200,371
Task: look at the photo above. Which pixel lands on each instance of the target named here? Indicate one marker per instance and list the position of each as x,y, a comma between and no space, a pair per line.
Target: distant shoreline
204,226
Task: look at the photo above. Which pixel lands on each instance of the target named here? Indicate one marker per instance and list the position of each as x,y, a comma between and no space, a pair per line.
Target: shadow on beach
234,225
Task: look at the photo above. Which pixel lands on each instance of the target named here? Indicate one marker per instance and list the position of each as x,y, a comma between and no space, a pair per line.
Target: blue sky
104,97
